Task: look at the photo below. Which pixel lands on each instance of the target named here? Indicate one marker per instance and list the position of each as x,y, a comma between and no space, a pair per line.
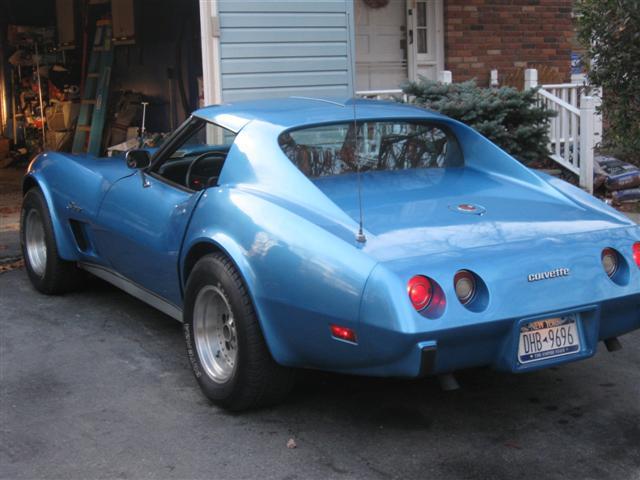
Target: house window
422,27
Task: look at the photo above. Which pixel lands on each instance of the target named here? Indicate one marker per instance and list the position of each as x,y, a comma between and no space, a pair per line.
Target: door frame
413,58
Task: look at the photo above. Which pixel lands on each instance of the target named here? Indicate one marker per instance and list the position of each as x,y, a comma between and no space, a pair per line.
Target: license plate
550,338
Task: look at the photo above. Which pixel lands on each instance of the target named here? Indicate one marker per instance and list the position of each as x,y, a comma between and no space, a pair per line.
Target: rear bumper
395,340
488,343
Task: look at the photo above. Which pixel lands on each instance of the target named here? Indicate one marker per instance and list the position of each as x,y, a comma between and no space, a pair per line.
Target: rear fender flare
220,242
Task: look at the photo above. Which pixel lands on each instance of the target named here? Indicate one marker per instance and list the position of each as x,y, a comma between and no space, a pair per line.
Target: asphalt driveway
96,385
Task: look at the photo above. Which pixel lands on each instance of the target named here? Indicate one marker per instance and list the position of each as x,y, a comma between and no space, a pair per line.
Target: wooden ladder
94,105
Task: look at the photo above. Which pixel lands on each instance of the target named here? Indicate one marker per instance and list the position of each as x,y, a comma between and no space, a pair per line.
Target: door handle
145,181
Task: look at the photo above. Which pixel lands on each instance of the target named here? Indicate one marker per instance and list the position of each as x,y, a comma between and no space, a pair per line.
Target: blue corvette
359,237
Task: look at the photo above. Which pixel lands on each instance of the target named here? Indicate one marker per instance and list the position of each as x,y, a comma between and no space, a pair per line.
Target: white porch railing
396,93
390,94
575,130
572,93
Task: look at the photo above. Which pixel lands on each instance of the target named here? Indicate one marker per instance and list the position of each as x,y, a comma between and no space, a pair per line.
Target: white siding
278,48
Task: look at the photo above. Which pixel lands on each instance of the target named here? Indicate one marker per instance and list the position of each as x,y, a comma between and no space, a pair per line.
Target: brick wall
508,35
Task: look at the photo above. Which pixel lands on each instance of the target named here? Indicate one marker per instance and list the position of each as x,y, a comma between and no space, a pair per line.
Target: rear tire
225,345
48,273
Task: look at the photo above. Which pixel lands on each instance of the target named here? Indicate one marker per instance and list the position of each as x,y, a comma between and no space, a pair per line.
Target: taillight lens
465,286
636,253
610,261
420,290
343,333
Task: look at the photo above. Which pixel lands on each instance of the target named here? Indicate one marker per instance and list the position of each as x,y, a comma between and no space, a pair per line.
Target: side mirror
137,159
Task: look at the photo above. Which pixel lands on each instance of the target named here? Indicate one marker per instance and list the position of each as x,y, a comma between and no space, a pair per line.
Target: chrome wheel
35,242
214,332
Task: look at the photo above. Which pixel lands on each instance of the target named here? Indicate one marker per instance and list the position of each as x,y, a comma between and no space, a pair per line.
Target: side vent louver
79,234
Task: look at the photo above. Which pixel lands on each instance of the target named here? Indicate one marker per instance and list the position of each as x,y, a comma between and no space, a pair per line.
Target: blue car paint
67,180
471,337
301,279
127,224
293,240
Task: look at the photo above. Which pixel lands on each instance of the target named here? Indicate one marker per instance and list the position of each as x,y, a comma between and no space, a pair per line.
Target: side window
195,157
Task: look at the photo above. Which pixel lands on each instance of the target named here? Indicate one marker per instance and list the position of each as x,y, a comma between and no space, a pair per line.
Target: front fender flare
63,236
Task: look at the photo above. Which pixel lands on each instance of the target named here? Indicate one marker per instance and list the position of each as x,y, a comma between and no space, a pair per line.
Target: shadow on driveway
97,385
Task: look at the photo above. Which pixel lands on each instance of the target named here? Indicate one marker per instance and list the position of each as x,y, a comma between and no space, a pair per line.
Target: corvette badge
557,273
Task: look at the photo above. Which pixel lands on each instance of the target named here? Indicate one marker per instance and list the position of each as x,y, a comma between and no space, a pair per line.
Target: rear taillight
465,285
426,296
610,261
636,253
420,290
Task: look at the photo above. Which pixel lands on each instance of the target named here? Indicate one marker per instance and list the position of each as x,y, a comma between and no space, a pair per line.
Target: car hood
412,213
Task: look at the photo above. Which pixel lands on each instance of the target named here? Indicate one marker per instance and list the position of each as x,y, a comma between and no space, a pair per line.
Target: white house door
425,38
381,55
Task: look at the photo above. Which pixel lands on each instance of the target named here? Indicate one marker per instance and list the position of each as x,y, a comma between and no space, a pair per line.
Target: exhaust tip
448,382
613,344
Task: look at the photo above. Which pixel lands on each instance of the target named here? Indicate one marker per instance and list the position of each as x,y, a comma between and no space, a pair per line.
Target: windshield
194,154
203,137
341,148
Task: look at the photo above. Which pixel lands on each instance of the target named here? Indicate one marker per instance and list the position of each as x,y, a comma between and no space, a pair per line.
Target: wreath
376,3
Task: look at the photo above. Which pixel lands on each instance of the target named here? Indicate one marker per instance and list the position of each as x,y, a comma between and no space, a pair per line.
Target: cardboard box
61,115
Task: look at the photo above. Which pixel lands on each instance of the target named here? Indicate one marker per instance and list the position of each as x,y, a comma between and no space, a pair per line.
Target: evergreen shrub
508,117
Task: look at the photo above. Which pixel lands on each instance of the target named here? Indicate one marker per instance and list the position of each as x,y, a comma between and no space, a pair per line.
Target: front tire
225,345
48,273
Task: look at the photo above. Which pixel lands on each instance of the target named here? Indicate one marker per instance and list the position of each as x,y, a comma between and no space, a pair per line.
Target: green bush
506,116
610,31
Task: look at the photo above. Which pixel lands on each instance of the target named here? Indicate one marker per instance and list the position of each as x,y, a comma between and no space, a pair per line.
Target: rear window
342,148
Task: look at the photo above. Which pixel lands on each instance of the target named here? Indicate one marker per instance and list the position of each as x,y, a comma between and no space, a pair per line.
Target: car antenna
360,236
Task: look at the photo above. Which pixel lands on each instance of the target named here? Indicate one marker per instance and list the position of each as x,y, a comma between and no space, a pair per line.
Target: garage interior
80,75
